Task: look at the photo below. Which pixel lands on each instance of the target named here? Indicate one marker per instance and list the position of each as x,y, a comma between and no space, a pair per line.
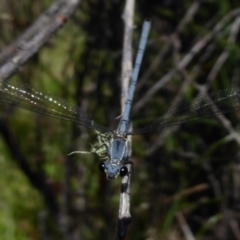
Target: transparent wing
25,96
213,104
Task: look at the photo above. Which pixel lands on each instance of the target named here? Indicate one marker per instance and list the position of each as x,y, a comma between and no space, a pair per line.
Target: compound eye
123,171
101,167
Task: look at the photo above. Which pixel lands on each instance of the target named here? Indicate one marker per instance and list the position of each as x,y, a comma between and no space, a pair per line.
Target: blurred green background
185,176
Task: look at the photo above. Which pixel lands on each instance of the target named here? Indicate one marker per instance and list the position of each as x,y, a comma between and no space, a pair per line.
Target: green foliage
20,204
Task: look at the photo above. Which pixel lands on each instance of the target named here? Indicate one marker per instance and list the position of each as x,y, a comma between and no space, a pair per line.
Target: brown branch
203,89
223,57
186,60
21,50
168,42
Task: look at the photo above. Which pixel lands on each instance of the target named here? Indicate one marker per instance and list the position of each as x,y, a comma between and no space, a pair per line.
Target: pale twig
168,42
184,226
225,122
223,57
38,34
169,130
189,79
124,217
235,228
212,75
184,62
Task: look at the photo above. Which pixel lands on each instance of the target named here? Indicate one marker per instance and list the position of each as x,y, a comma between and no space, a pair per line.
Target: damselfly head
112,170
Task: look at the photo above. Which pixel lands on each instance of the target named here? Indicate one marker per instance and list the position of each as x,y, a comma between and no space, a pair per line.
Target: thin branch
124,217
223,57
188,16
127,50
21,50
185,61
184,226
187,192
235,228
204,88
168,43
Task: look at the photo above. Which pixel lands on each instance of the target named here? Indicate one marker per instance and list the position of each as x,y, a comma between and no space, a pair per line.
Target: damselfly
113,145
